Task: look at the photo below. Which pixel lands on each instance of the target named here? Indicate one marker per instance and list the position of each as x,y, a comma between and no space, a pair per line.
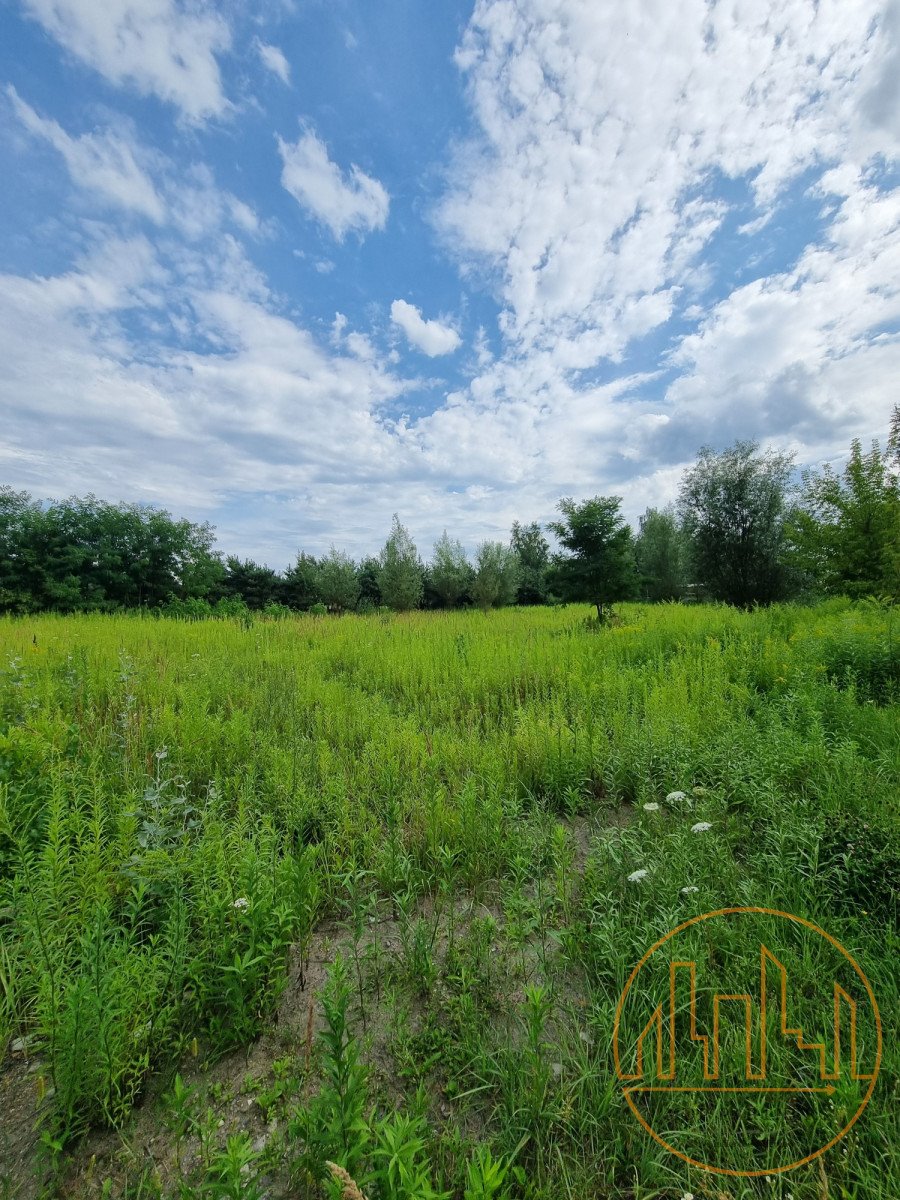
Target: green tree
88,554
598,563
299,583
532,552
734,508
450,573
660,555
496,575
21,578
337,581
847,528
369,590
246,580
400,570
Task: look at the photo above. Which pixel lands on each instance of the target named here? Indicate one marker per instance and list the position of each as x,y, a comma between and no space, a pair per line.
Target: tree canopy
734,508
742,532
400,571
598,560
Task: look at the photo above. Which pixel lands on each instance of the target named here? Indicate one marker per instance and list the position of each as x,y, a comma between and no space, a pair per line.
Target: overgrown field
367,890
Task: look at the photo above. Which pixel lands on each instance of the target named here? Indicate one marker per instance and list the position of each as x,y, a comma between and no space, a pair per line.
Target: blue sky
295,266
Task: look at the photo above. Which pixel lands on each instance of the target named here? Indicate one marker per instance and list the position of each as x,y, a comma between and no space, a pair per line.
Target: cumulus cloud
159,47
273,60
612,152
602,133
99,161
431,337
262,407
344,201
626,194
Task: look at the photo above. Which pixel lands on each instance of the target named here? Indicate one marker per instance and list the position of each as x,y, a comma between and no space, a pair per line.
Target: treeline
740,532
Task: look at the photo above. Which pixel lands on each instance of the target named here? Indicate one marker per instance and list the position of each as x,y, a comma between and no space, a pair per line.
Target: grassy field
367,890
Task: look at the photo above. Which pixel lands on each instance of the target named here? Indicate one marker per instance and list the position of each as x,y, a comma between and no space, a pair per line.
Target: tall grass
181,802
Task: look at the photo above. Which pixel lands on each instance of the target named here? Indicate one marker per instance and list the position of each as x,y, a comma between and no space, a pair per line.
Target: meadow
278,893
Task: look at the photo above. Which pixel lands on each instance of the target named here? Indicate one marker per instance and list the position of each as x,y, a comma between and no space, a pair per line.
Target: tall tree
598,563
660,555
299,584
22,581
734,508
369,590
496,575
256,585
450,573
847,529
400,570
337,581
532,552
88,554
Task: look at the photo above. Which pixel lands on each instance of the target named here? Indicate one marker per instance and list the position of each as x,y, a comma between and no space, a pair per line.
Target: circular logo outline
773,912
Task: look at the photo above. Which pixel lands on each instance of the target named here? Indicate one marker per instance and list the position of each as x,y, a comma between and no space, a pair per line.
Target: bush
277,612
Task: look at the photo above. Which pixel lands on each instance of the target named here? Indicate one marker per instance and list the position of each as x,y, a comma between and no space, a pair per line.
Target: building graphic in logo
685,1047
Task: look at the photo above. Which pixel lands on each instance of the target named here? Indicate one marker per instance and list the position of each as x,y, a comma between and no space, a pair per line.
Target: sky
295,266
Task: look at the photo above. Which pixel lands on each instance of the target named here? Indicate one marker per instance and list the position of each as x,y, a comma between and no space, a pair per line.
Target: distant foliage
532,552
734,508
86,554
496,575
451,574
400,573
661,554
597,565
847,528
299,586
337,583
742,533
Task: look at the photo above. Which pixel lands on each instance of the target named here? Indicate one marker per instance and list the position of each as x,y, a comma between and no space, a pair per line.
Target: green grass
181,804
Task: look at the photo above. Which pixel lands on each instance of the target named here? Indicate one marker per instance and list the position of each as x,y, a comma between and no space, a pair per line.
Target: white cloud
431,337
353,202
115,166
273,60
159,47
104,389
590,198
99,161
602,131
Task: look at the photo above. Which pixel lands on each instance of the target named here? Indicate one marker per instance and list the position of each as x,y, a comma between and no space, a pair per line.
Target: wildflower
242,902
676,798
701,827
651,807
637,876
161,753
689,891
700,791
688,1196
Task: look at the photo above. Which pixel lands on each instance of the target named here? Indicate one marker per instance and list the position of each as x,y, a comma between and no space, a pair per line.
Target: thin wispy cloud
274,60
99,161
